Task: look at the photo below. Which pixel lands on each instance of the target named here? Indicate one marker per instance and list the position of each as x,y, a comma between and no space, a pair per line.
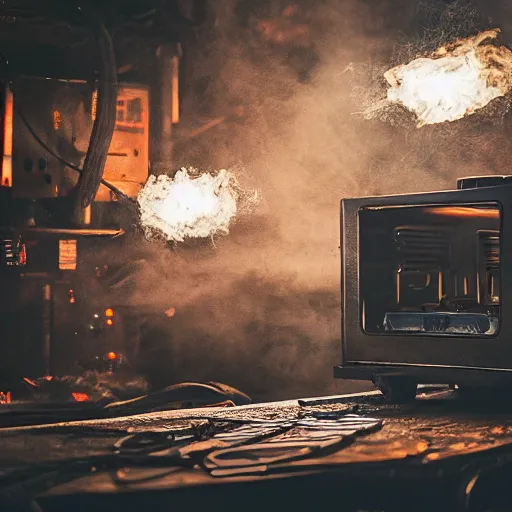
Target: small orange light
71,296
30,382
111,356
22,255
110,321
80,397
109,312
459,211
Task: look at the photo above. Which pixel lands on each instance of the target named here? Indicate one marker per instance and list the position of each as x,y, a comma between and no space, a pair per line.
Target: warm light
455,81
175,109
30,382
170,312
67,254
187,206
94,104
57,119
111,356
5,398
460,211
109,312
22,255
110,321
8,133
71,296
80,397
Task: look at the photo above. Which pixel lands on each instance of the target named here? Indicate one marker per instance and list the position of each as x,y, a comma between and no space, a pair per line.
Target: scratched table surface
432,451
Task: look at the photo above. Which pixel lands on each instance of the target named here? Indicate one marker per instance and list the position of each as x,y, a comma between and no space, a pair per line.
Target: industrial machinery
83,121
423,289
56,307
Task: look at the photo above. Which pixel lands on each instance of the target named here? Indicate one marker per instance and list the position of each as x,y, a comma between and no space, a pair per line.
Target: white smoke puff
445,89
190,205
454,82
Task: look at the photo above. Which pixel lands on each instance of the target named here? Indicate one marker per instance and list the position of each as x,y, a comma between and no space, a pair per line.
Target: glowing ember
80,397
457,80
188,206
170,312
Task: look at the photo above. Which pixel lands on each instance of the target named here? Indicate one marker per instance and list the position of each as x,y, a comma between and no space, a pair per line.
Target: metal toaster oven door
424,280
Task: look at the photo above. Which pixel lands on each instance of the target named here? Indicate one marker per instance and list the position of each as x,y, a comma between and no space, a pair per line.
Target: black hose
104,123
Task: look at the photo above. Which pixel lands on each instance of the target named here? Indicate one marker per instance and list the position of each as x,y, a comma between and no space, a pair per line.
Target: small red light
111,356
80,397
22,255
30,382
71,296
109,312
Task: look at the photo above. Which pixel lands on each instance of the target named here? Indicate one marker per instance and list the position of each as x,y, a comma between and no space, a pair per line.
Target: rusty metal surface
436,424
437,428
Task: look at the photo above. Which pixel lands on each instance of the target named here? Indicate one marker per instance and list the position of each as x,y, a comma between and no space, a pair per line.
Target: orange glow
67,254
5,398
128,156
22,255
460,211
7,150
57,119
175,109
30,382
111,356
71,296
94,104
110,321
170,312
80,397
109,312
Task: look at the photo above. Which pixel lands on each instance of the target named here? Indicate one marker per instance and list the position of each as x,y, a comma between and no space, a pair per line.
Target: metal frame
429,358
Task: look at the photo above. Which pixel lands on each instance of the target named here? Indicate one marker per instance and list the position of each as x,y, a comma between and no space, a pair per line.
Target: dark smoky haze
260,310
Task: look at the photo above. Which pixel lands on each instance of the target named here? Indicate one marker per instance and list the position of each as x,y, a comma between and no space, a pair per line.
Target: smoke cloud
260,308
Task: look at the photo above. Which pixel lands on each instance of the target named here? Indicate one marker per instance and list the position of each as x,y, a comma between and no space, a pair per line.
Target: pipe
168,55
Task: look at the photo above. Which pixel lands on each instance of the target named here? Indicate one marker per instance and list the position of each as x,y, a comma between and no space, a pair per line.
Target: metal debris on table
300,439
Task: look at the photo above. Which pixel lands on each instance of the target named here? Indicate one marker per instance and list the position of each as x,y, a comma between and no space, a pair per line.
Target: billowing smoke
457,80
281,88
185,207
192,204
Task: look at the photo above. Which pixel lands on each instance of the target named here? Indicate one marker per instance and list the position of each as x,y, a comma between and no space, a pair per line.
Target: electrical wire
115,190
120,195
105,120
139,451
91,174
